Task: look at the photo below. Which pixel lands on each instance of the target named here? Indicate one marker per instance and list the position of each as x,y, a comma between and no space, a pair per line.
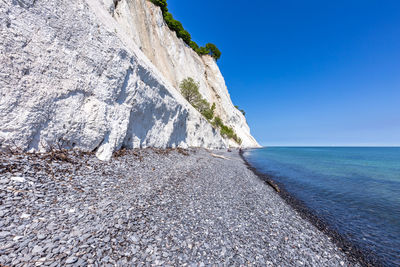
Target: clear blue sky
307,72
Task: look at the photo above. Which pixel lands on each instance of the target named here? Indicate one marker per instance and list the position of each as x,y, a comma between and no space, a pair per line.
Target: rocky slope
75,74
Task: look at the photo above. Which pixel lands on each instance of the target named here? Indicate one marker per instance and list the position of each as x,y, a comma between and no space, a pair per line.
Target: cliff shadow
156,118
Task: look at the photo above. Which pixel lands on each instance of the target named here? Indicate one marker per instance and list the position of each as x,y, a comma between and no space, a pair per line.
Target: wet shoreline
354,254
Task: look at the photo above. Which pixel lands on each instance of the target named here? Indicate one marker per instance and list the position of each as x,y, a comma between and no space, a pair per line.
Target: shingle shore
150,207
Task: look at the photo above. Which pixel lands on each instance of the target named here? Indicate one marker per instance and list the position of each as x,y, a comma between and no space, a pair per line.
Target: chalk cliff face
144,24
101,75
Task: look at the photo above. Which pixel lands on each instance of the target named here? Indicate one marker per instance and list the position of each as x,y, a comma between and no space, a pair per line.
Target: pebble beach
150,207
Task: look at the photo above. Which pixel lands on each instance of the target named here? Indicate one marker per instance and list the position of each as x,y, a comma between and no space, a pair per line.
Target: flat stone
134,238
25,216
18,179
81,262
37,250
40,261
41,236
2,213
18,237
4,234
71,260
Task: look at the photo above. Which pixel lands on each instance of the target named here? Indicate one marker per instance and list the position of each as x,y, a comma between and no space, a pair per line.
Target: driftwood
183,151
273,185
219,156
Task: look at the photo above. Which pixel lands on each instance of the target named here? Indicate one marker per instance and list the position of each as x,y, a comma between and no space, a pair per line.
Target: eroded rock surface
144,24
71,74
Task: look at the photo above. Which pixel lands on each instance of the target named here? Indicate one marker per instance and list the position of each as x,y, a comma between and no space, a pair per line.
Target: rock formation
102,75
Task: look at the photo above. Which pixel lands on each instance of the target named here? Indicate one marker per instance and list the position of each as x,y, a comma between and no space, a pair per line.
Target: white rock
25,216
73,71
18,237
40,261
18,179
36,250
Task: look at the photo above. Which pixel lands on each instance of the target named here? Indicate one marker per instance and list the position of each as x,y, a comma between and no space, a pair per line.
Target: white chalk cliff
100,75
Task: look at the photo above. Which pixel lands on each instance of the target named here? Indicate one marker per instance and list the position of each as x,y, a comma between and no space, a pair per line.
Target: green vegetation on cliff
190,91
241,110
226,131
176,26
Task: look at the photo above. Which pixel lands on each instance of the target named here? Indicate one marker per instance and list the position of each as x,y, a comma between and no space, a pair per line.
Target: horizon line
330,145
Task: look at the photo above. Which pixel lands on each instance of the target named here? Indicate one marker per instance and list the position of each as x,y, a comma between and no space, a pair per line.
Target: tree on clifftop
214,51
162,4
185,35
176,26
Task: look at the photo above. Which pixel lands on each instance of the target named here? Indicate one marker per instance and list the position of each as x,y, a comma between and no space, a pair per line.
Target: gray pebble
71,259
4,234
41,236
37,250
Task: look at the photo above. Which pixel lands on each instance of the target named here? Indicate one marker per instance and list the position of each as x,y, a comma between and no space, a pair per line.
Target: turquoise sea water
356,190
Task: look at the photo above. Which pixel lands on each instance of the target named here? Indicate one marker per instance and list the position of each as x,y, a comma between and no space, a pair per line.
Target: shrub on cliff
185,36
209,112
203,51
190,91
162,4
172,23
202,105
217,122
230,133
194,45
241,110
213,51
226,131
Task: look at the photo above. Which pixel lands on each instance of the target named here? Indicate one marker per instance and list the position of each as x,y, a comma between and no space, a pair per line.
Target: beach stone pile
149,207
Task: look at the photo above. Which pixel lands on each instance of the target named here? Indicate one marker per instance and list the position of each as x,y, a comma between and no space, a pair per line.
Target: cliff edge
102,75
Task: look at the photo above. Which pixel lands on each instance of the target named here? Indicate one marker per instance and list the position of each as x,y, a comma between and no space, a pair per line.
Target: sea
355,191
